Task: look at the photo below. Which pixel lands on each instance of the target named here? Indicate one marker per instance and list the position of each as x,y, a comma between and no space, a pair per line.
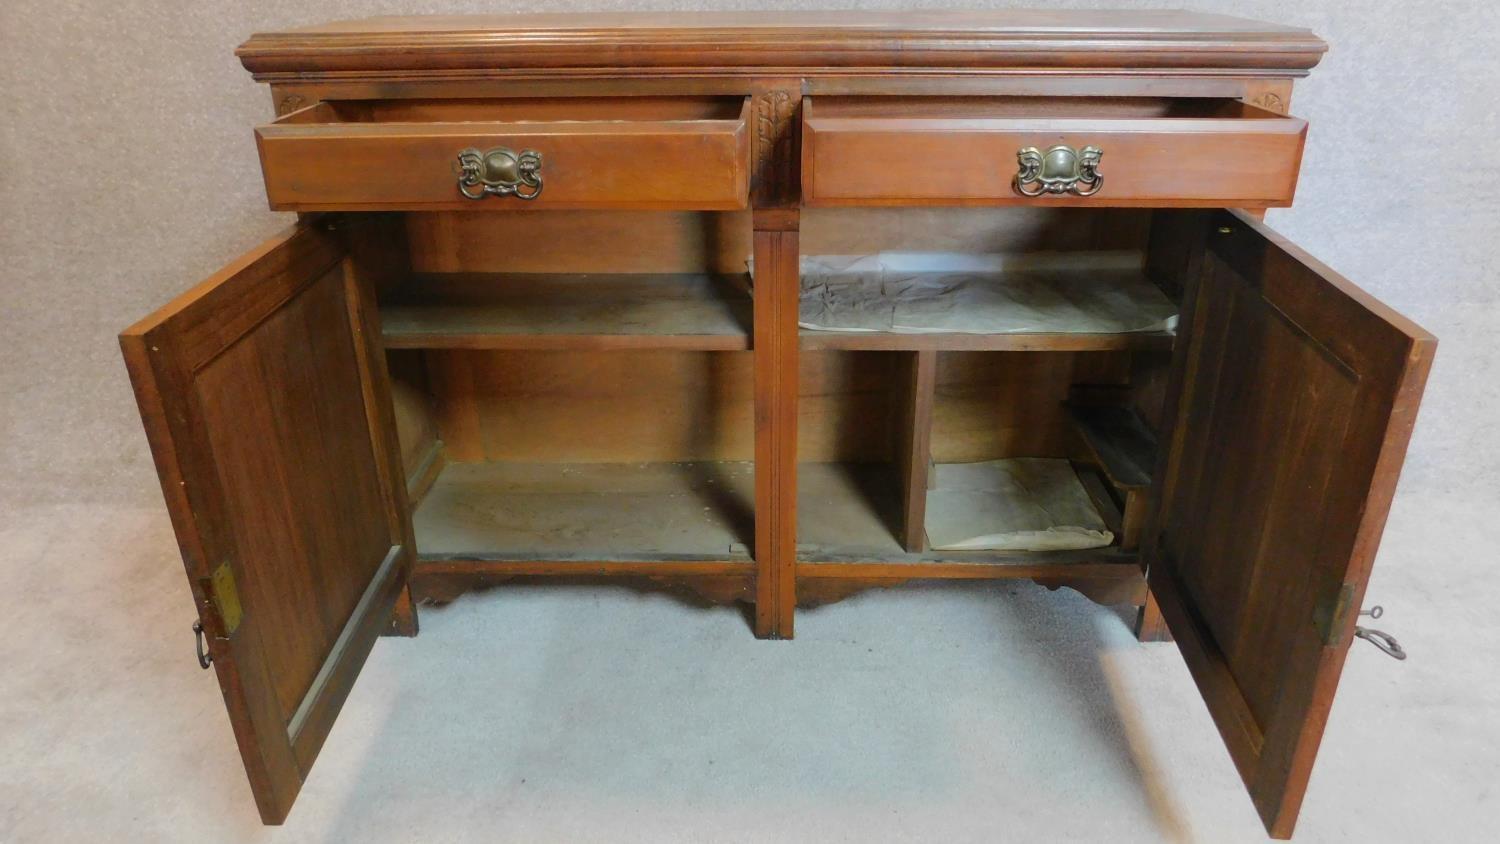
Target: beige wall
128,172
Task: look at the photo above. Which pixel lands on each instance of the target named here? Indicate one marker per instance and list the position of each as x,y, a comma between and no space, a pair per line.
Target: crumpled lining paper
1016,504
942,292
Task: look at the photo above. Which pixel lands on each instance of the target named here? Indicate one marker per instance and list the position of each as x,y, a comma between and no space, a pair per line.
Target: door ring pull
204,658
1382,640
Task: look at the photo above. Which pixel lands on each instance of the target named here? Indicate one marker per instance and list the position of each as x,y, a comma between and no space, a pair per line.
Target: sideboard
738,305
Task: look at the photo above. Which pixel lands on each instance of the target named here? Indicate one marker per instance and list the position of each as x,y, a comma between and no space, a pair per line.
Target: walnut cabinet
550,309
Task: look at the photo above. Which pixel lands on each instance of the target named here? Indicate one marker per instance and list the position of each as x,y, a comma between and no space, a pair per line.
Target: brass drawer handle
1060,169
500,172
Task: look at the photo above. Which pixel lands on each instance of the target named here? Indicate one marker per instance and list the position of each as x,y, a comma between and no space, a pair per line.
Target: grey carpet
975,713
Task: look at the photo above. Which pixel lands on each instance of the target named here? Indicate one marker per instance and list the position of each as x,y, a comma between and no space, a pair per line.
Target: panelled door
265,402
1292,399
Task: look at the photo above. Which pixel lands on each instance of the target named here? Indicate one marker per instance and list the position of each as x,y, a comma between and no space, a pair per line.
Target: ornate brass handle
1060,169
500,172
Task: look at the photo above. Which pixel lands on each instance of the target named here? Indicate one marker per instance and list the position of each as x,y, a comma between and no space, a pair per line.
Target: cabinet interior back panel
1010,404
857,231
579,242
594,407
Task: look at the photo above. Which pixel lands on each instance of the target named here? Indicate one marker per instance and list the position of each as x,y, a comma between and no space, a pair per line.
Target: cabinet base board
1106,590
709,581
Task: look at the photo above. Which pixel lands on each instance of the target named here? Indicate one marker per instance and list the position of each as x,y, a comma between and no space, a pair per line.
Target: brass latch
1331,618
226,598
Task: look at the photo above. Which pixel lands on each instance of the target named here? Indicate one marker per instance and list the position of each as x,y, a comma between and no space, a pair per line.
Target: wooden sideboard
539,319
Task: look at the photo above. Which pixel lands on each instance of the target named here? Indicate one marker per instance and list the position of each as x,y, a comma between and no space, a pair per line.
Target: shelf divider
1120,441
914,444
1124,447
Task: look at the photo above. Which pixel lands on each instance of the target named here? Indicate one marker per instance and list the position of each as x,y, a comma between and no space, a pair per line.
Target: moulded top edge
1142,39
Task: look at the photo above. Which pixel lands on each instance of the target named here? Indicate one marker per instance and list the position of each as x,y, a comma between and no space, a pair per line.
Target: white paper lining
945,292
1018,504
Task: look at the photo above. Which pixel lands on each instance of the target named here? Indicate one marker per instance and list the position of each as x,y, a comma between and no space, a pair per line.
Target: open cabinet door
267,409
1291,401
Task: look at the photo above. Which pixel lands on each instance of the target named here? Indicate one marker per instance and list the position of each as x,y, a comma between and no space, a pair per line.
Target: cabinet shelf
588,518
589,311
880,341
983,303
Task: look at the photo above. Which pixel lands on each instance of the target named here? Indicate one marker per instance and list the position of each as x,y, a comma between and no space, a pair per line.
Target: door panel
1293,398
266,408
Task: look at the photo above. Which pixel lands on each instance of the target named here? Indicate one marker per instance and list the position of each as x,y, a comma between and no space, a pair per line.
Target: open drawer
1028,150
623,152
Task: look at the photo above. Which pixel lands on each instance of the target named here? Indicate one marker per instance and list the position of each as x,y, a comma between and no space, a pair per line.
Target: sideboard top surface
1136,40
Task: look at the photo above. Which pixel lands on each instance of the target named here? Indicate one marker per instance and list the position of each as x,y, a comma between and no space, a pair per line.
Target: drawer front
1235,155
336,157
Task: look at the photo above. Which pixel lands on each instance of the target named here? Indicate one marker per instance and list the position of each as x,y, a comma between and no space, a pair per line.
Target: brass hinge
1331,617
226,598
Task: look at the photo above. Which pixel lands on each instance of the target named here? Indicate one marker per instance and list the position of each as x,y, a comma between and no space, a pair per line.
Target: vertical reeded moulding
776,290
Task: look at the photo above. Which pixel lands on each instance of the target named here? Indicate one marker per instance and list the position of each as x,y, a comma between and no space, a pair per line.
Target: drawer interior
1099,108
521,110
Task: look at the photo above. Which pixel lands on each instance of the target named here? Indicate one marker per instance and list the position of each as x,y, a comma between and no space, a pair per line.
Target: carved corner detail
290,103
1270,101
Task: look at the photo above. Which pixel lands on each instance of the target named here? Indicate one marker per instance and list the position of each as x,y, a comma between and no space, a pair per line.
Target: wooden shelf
568,311
872,341
589,518
845,514
1058,309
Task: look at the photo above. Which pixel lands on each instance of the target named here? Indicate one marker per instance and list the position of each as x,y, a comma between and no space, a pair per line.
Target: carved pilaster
774,180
